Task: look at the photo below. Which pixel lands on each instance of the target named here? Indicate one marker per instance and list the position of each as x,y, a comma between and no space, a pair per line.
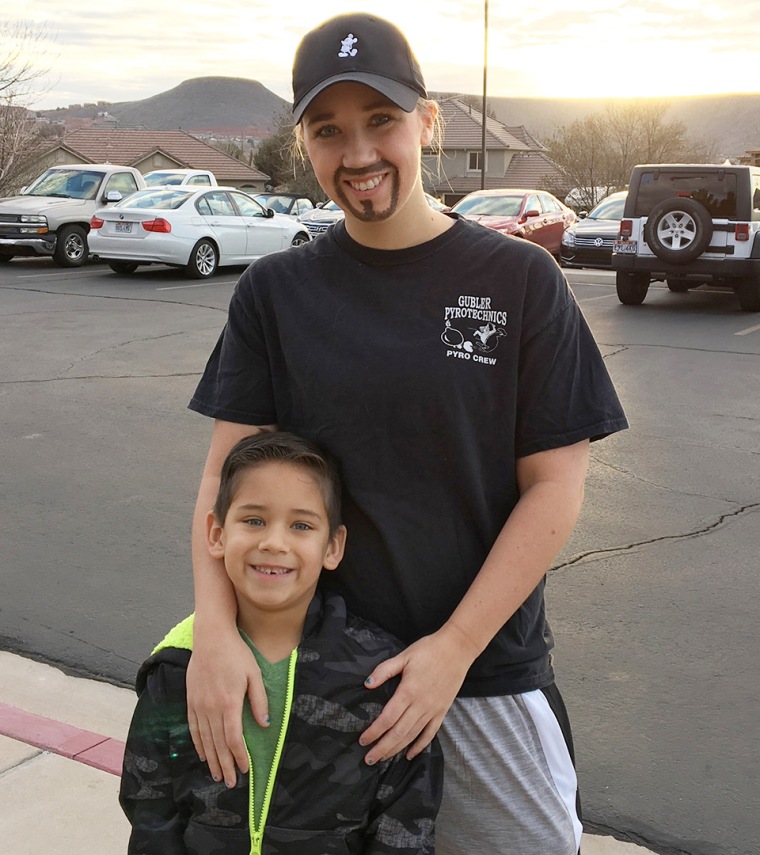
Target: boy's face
364,149
276,538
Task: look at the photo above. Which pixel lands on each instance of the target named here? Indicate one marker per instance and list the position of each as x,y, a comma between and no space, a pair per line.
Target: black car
589,242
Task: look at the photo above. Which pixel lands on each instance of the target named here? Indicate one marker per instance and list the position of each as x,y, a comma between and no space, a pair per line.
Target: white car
193,177
197,229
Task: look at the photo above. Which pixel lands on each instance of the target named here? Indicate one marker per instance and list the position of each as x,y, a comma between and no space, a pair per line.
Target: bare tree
22,139
280,157
597,153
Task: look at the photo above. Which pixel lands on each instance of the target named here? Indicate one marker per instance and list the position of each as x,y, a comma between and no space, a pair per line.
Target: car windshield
279,204
159,198
608,209
66,183
158,179
489,206
331,206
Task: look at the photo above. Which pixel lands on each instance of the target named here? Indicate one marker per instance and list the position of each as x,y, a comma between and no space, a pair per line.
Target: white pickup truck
52,215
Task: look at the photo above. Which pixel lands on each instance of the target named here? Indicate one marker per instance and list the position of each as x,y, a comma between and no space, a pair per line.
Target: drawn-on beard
367,213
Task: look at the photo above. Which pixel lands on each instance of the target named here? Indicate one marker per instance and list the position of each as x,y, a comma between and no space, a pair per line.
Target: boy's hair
280,447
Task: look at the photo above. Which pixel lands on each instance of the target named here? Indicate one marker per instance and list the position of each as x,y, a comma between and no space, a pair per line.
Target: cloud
125,50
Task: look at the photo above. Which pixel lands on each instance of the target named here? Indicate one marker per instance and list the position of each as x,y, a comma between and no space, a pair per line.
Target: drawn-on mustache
380,166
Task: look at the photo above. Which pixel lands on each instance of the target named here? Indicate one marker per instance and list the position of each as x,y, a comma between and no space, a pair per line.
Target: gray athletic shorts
509,784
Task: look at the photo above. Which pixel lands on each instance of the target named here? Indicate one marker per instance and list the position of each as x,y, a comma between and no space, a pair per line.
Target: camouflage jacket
323,799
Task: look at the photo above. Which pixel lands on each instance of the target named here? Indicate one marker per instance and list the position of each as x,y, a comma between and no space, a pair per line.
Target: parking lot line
60,273
179,287
748,330
589,299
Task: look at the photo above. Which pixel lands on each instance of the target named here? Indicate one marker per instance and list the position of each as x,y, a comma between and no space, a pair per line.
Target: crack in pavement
621,348
102,377
115,297
115,347
683,347
665,487
593,554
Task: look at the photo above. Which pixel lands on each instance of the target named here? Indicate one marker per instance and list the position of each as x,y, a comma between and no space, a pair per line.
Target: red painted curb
93,749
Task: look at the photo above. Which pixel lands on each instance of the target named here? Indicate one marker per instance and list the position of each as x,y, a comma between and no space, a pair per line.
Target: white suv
688,224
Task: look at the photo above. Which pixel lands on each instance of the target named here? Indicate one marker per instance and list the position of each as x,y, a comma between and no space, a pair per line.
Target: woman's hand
432,672
218,679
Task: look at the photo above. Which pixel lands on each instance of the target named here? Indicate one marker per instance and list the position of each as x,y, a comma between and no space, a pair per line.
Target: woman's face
365,150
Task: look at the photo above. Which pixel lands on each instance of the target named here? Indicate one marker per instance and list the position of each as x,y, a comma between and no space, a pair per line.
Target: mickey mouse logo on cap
347,46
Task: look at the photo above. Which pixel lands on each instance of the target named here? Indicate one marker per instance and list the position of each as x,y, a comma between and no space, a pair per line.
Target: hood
40,204
318,215
177,645
492,221
592,228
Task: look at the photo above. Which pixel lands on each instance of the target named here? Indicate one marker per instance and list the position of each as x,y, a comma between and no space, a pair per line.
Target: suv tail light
626,228
157,225
96,223
741,232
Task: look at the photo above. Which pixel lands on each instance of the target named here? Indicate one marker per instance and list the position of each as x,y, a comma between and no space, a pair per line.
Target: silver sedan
196,229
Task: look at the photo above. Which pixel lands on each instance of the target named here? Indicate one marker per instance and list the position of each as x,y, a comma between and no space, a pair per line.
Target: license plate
625,247
124,228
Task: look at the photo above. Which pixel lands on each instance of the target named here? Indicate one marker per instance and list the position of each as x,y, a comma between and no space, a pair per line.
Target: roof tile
130,146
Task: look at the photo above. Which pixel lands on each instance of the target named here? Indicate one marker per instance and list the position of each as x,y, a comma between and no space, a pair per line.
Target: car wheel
680,286
299,239
71,247
678,230
4,259
748,293
631,287
204,259
123,268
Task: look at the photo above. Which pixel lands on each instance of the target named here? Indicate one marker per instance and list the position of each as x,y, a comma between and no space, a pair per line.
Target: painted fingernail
370,762
368,681
217,778
267,720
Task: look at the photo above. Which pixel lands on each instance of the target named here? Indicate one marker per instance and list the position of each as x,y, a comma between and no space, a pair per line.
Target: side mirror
22,191
320,205
113,196
270,213
532,213
582,215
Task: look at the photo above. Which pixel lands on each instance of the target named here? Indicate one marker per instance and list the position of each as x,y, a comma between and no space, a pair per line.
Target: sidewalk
61,741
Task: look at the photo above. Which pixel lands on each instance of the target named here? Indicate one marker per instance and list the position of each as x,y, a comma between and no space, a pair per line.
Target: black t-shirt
426,371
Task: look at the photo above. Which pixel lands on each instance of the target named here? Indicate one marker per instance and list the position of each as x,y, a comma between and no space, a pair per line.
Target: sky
124,50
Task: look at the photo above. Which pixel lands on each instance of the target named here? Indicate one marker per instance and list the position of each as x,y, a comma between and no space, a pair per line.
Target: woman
449,370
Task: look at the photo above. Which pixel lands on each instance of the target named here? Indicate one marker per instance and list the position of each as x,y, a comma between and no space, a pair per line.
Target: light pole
483,118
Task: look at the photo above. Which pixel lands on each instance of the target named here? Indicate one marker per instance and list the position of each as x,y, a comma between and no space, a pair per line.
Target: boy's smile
275,541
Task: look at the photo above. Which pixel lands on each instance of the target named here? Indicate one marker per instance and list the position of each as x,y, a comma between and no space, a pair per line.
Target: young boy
276,525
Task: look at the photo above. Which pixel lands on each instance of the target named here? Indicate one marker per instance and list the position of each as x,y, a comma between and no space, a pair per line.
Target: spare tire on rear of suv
678,230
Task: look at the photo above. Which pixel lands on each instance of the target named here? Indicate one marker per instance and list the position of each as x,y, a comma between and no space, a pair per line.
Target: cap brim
401,95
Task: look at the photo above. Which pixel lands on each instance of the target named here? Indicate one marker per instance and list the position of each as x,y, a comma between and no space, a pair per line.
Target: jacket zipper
257,834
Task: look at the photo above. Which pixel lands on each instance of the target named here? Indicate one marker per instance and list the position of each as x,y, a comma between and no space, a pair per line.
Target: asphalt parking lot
653,602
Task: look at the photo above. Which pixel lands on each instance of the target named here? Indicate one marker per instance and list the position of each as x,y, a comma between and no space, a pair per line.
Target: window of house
473,161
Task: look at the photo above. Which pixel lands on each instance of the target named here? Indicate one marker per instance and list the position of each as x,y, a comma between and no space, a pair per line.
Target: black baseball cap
361,48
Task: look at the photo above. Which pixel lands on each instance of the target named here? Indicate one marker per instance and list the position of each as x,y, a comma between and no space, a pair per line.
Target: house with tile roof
514,157
147,150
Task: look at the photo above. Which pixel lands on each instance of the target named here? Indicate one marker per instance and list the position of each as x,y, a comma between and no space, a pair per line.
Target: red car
531,214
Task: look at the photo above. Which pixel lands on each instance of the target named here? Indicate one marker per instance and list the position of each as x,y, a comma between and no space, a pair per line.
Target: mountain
228,106
235,106
731,123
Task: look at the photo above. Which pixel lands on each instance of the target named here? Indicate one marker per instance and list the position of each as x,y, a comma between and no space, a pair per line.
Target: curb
84,746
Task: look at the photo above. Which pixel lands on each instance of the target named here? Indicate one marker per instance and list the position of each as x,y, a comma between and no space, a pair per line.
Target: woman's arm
222,669
433,669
